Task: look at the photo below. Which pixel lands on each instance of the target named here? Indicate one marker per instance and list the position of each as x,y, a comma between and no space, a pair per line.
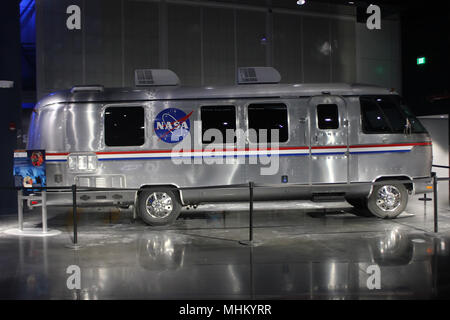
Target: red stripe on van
330,147
182,151
392,145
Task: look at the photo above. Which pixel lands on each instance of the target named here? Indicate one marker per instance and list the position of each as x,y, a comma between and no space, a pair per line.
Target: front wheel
159,206
388,201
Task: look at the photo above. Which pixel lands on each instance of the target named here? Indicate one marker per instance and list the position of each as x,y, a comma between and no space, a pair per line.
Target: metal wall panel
58,51
251,28
204,43
287,47
103,42
218,46
343,54
316,49
141,37
184,43
378,55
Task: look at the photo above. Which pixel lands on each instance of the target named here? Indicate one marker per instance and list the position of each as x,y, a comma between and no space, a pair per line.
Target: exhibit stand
32,232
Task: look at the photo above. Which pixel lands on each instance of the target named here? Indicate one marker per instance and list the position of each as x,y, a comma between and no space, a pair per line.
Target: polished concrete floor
302,250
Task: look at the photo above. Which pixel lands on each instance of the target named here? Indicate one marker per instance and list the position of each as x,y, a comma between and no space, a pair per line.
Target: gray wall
438,129
378,55
205,43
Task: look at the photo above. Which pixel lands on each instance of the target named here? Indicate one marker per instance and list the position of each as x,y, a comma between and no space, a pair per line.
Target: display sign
29,168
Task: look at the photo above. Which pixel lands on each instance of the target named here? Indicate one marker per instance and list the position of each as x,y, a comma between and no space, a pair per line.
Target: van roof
211,92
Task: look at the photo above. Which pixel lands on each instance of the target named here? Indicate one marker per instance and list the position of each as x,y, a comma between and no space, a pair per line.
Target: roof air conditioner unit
155,77
252,75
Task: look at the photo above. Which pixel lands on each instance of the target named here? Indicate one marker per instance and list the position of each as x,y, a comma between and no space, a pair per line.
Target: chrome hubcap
388,198
159,205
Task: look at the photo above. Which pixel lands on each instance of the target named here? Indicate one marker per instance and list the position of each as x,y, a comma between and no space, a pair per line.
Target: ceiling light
301,2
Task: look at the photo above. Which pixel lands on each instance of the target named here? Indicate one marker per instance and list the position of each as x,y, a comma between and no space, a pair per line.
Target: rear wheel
388,201
159,206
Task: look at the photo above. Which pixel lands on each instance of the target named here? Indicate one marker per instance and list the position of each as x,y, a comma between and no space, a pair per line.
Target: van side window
269,117
220,118
393,114
124,126
385,114
373,119
327,116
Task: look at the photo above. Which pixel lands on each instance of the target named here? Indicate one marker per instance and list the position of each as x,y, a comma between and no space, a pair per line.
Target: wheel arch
405,179
150,186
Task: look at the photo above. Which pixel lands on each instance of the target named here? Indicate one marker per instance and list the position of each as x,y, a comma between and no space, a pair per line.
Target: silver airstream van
332,141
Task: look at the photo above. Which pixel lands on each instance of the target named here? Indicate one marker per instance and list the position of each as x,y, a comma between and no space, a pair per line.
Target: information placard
29,168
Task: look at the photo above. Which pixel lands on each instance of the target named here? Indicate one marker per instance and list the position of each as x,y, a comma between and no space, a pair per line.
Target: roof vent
83,88
155,77
258,75
6,84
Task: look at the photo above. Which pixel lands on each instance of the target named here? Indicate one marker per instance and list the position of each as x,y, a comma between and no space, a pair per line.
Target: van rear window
385,114
124,126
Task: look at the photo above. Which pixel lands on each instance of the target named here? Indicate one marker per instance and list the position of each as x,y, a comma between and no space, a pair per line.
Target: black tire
388,201
360,206
357,202
159,211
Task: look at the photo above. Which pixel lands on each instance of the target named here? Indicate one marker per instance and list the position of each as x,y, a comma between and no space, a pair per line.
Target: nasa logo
172,125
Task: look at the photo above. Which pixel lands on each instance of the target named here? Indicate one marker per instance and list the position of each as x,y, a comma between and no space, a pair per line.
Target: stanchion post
250,185
74,209
44,211
20,208
249,242
435,201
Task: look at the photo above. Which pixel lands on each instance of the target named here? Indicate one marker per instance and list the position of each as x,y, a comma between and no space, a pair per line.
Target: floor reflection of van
332,138
405,265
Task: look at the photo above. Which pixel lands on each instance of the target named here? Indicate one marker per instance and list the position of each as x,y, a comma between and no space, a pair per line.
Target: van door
328,139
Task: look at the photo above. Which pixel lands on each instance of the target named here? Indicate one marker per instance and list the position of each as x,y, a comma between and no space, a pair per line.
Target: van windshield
387,114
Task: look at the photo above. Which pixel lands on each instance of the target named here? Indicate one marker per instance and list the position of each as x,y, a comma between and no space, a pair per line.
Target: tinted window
218,117
124,126
327,116
395,117
269,117
373,120
385,114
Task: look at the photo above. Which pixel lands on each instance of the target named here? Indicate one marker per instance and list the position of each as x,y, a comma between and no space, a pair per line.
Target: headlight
82,162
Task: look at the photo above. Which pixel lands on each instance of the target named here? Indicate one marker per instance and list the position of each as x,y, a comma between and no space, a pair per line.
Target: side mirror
408,126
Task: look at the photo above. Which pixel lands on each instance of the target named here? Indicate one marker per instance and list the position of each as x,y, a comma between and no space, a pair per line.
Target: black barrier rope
231,186
439,166
251,185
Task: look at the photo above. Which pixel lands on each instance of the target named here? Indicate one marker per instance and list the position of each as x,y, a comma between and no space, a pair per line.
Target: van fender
409,184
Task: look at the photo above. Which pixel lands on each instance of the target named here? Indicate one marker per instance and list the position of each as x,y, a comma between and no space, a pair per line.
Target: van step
328,197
